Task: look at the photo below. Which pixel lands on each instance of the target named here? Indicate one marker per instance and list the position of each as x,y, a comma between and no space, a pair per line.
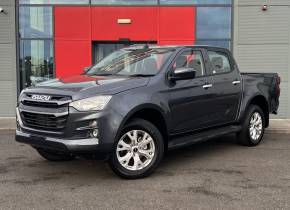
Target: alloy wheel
135,150
256,126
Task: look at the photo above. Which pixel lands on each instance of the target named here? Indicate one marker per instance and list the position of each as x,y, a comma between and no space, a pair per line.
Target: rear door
226,87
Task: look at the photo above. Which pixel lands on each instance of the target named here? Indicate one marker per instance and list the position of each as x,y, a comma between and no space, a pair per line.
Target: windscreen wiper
105,74
141,75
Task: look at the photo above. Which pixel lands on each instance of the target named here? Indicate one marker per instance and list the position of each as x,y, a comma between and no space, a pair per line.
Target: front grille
55,102
45,115
43,121
40,104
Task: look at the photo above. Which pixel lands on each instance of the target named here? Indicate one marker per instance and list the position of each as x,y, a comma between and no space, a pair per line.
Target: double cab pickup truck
141,101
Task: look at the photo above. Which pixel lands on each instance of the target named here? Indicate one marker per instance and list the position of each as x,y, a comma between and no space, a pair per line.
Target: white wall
8,91
262,41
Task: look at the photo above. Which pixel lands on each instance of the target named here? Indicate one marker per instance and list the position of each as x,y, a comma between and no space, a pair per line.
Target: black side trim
201,136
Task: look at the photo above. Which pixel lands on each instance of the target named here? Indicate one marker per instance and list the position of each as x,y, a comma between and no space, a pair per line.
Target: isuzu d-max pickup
139,102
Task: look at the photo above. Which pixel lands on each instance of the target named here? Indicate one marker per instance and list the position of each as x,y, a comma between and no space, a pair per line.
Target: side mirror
182,74
86,69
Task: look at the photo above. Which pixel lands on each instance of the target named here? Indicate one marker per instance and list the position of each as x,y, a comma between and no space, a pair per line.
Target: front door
190,100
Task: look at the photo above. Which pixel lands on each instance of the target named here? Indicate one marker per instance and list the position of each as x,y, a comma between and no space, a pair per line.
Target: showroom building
44,39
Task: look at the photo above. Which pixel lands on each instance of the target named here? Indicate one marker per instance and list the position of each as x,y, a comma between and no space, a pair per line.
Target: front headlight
21,96
91,104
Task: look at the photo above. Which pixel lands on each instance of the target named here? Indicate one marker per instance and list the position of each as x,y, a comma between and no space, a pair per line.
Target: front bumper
68,142
90,145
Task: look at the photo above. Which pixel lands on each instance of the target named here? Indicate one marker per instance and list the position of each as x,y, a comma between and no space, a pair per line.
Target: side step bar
177,142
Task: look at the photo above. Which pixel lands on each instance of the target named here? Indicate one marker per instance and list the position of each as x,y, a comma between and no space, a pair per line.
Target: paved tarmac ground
218,174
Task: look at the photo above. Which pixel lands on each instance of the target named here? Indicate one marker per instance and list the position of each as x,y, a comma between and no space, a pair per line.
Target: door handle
207,86
236,82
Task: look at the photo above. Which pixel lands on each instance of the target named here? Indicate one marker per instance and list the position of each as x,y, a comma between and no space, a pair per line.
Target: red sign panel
142,26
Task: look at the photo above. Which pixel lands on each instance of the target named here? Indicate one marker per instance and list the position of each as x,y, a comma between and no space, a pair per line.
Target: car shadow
87,172
202,149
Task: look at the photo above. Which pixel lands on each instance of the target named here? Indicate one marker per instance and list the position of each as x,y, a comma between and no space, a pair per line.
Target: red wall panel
143,26
72,56
73,50
176,42
177,25
73,23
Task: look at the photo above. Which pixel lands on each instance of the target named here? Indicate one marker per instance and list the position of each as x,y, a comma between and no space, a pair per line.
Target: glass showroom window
216,43
35,22
126,2
195,2
213,26
36,45
36,61
54,1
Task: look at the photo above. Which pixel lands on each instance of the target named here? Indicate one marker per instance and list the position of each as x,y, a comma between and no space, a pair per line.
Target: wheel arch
151,113
260,101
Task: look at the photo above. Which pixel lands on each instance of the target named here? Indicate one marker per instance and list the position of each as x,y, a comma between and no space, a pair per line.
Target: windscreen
132,62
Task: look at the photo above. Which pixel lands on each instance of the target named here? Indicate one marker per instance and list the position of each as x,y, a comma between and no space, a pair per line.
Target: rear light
278,82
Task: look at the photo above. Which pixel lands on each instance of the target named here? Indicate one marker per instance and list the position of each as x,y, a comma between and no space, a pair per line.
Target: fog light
95,133
93,124
17,126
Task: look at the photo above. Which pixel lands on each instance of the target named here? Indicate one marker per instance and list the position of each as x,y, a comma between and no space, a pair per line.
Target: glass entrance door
102,49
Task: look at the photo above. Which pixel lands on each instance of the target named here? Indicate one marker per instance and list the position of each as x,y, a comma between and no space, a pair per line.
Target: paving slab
218,174
7,123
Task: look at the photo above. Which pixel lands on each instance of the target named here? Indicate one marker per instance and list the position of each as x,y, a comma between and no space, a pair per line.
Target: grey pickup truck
139,102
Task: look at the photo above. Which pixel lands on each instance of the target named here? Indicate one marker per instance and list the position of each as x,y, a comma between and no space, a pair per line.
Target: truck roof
140,46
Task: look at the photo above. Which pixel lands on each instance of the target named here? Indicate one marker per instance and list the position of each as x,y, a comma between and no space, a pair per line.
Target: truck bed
267,84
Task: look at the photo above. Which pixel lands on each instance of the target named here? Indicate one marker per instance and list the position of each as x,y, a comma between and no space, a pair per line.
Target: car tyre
55,156
253,127
138,150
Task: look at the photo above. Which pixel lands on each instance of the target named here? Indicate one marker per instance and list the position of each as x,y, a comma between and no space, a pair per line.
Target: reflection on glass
215,43
195,2
54,1
132,62
122,2
35,22
213,23
220,62
36,61
125,2
102,50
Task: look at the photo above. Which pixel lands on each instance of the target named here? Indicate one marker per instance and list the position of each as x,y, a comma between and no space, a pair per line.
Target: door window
191,59
220,62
